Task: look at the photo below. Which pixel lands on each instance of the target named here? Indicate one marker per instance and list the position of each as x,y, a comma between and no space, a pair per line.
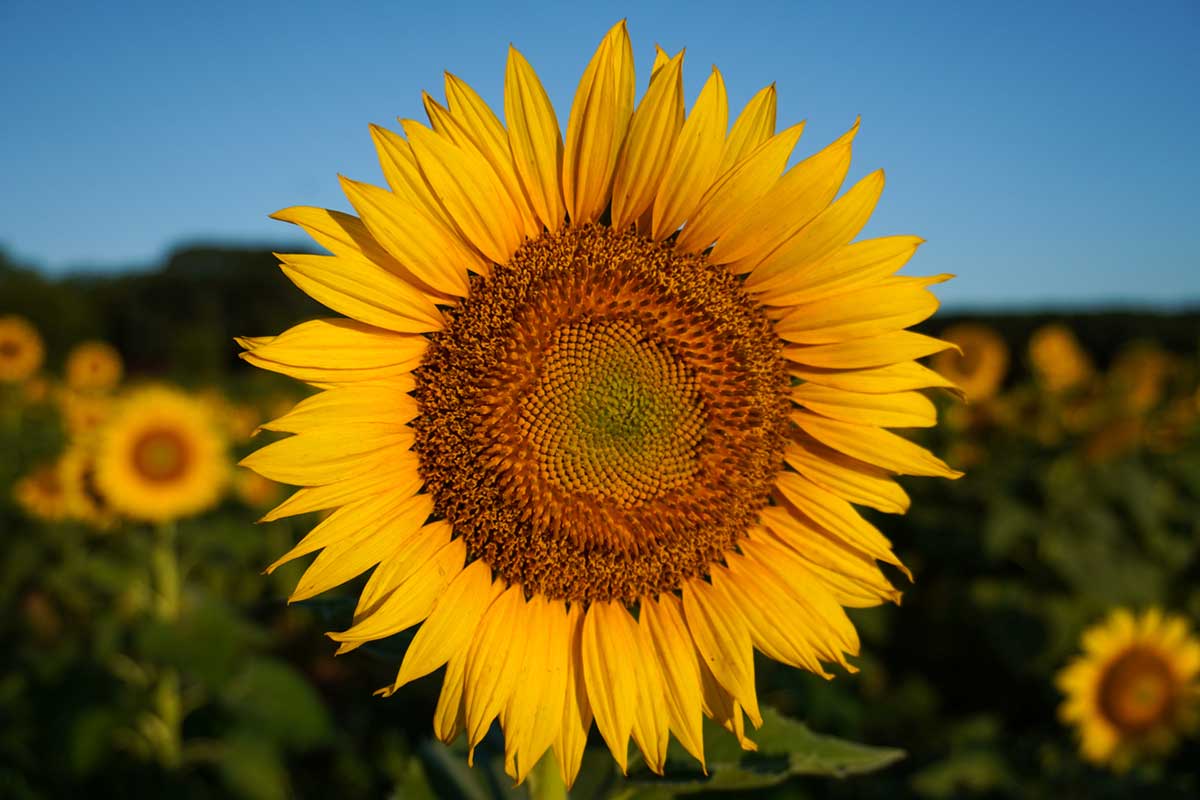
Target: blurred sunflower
93,366
254,490
605,416
1138,377
83,498
979,364
1134,689
83,413
160,456
40,493
21,350
1058,362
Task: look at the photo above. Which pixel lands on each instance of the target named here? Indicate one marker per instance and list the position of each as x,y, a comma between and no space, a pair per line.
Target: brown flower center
1137,691
603,418
161,455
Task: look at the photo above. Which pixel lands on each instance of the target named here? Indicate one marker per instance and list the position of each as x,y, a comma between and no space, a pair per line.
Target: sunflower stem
545,782
167,696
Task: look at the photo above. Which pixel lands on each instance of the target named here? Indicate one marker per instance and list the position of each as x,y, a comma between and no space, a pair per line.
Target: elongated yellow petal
361,352
494,662
423,244
802,193
411,599
327,455
755,125
410,554
490,138
647,149
694,159
736,191
449,718
651,720
404,177
888,306
469,188
767,622
370,405
721,707
848,478
348,522
672,647
891,378
577,710
856,266
896,410
534,139
451,624
352,556
660,60
534,713
596,128
723,641
363,291
874,446
399,472
609,635
872,351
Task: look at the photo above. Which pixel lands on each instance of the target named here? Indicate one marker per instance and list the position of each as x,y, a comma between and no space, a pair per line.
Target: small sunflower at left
160,456
94,366
21,350
41,493
1135,690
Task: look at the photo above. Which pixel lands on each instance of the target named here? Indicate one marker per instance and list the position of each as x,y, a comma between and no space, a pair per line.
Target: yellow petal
577,711
387,406
753,126
896,410
830,230
351,556
609,635
848,478
874,446
872,351
451,624
410,554
694,159
363,291
723,641
802,193
423,244
411,598
468,187
339,350
672,646
647,149
736,191
855,266
599,120
720,706
534,139
403,175
449,718
534,713
489,136
891,378
399,472
888,306
651,720
494,662
327,455
660,60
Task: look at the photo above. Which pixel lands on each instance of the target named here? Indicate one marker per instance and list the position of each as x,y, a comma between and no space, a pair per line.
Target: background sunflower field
149,659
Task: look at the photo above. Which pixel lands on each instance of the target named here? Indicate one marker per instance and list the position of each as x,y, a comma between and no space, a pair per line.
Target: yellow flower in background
1138,377
1058,362
93,366
254,490
602,407
238,420
84,413
84,500
40,493
1134,689
37,389
160,456
21,350
979,365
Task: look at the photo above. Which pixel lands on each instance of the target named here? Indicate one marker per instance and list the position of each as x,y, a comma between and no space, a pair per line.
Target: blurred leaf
275,700
253,768
205,644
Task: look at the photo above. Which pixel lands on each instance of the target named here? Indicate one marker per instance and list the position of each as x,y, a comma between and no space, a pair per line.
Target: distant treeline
180,319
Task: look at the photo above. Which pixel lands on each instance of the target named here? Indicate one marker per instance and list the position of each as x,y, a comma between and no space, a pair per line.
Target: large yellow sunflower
602,407
21,350
93,366
160,456
1134,689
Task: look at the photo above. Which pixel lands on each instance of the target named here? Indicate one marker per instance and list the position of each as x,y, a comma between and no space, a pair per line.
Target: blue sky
1046,151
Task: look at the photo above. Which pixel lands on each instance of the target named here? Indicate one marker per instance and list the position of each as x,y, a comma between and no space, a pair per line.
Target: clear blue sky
1047,151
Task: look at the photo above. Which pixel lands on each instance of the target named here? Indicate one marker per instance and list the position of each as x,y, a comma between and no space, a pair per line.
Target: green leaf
253,768
786,748
274,699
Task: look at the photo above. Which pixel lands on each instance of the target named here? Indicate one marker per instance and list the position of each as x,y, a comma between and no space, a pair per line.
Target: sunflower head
21,350
160,456
84,413
979,362
1134,689
93,366
84,500
602,406
1059,362
41,493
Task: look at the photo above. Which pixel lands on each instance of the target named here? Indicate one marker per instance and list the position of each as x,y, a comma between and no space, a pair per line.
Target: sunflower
1058,362
84,413
254,490
83,498
601,407
1134,689
979,363
160,456
40,493
93,366
21,350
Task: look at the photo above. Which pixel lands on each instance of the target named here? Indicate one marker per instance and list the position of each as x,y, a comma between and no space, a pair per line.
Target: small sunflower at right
1134,690
979,363
94,366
